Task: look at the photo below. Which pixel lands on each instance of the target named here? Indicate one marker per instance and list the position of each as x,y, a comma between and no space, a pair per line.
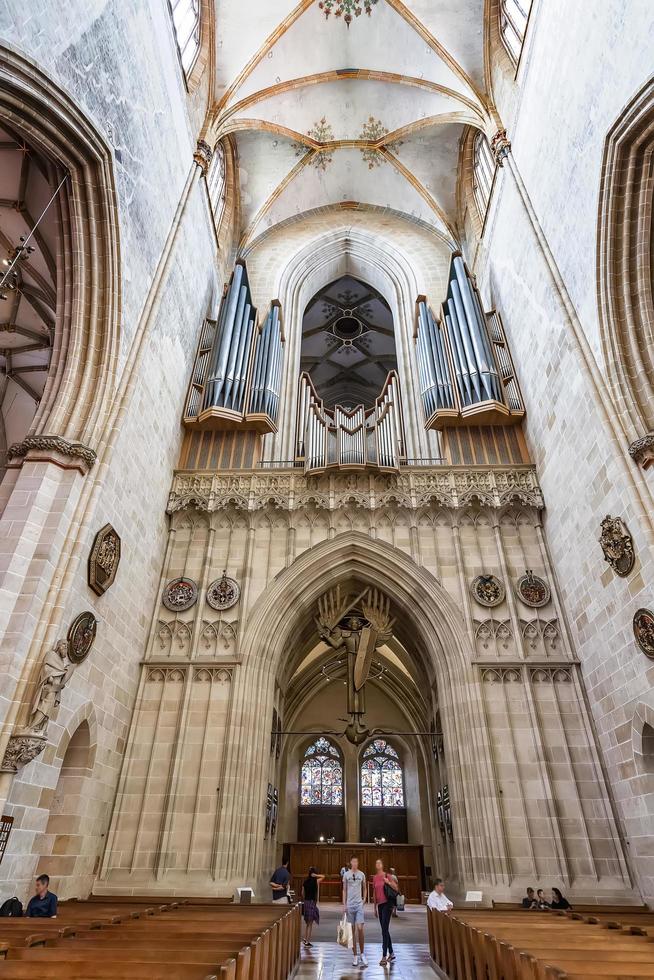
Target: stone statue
355,625
56,671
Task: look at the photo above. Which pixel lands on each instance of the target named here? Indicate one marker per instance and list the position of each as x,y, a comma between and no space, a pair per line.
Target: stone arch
642,740
373,259
434,629
624,266
65,855
82,375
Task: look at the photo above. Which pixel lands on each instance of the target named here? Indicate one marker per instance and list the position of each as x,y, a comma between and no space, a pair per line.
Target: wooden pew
501,945
176,942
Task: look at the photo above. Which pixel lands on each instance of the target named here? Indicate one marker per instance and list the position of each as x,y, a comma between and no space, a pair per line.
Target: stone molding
447,486
55,449
642,450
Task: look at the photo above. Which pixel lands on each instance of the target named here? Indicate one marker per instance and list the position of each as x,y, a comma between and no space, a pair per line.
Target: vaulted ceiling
349,101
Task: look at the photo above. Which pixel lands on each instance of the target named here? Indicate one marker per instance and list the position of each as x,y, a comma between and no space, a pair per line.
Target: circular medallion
223,593
81,635
487,590
532,590
644,631
180,594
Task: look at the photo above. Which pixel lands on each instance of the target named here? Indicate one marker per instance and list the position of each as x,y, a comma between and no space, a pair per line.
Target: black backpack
12,908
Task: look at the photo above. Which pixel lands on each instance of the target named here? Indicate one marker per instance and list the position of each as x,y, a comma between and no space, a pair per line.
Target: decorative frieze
446,486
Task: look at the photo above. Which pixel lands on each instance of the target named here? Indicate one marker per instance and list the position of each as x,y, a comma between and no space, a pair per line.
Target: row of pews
500,944
128,939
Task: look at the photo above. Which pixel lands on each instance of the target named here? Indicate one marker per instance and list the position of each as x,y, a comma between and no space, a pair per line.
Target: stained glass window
321,782
382,783
216,183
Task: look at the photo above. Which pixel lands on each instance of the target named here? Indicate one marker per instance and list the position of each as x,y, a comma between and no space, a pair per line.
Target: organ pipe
359,437
464,364
237,373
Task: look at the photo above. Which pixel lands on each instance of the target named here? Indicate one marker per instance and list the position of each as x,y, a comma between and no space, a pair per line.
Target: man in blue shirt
279,883
43,905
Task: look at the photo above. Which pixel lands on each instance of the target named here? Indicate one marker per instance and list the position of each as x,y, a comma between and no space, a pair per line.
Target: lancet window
321,778
514,15
186,21
382,780
483,172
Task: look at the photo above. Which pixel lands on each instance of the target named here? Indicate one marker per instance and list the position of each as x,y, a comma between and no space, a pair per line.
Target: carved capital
642,450
21,749
500,146
54,449
202,156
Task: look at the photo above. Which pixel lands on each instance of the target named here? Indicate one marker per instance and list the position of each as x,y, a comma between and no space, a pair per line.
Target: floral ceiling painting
373,130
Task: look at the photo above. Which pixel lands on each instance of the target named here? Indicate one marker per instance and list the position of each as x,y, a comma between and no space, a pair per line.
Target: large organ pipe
477,331
223,339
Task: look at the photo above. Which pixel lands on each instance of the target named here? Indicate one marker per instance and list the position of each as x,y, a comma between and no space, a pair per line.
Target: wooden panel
407,859
387,822
220,450
475,445
314,822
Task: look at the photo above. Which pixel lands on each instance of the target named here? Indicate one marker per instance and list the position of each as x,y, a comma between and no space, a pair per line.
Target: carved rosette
487,590
500,147
223,593
644,631
617,545
532,590
104,559
642,450
180,594
22,749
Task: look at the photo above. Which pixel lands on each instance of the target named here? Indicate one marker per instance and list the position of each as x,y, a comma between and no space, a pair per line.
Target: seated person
558,901
438,899
541,901
529,901
43,905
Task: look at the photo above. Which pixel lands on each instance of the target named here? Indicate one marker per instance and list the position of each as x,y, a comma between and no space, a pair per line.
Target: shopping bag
344,935
399,903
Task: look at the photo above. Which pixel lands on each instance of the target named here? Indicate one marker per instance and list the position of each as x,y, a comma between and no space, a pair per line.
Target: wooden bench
176,942
509,945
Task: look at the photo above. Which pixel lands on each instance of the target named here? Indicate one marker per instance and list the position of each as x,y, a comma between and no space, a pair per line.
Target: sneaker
363,961
383,961
355,960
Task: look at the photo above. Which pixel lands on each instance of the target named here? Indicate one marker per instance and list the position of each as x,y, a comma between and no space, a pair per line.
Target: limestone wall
579,71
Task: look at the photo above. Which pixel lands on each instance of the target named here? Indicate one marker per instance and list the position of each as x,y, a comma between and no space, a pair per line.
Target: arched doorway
64,855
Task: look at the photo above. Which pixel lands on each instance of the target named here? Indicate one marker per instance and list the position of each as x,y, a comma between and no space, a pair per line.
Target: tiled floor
329,961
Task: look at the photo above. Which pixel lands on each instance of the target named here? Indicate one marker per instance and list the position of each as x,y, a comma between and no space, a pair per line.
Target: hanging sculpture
356,625
223,593
180,594
104,559
532,590
644,631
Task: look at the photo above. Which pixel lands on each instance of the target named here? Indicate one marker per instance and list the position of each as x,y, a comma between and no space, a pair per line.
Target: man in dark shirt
530,901
43,905
279,883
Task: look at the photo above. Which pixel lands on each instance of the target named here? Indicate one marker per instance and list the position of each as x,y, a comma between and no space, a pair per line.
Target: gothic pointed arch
86,323
624,265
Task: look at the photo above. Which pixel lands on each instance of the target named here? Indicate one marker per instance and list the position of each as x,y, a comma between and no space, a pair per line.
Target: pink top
378,884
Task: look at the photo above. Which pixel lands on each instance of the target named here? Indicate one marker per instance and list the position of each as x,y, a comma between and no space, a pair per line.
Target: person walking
310,910
385,889
354,896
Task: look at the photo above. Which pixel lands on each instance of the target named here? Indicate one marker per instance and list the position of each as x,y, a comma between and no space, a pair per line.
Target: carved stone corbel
500,147
21,749
642,450
202,156
53,449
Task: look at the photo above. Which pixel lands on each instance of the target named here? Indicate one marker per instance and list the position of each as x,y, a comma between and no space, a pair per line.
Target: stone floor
329,961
